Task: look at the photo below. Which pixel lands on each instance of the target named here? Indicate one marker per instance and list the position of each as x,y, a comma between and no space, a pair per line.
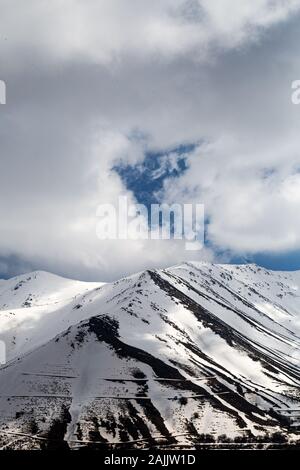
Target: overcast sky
93,85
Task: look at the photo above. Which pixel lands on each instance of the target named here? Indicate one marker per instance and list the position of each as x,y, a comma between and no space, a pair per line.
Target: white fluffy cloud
93,83
251,207
111,31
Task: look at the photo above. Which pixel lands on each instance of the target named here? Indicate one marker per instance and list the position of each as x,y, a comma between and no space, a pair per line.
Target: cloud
52,224
92,84
107,32
251,208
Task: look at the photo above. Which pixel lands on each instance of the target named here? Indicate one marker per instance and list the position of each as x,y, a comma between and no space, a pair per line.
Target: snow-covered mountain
158,358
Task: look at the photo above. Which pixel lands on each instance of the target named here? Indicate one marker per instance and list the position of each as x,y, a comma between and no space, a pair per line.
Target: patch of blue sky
288,261
146,179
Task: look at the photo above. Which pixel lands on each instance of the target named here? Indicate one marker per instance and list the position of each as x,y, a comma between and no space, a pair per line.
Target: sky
169,101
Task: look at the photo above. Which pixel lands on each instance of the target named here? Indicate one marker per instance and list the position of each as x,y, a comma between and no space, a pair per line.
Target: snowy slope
161,357
35,307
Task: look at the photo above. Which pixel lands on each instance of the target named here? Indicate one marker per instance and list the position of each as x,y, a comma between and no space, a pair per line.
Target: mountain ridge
212,349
